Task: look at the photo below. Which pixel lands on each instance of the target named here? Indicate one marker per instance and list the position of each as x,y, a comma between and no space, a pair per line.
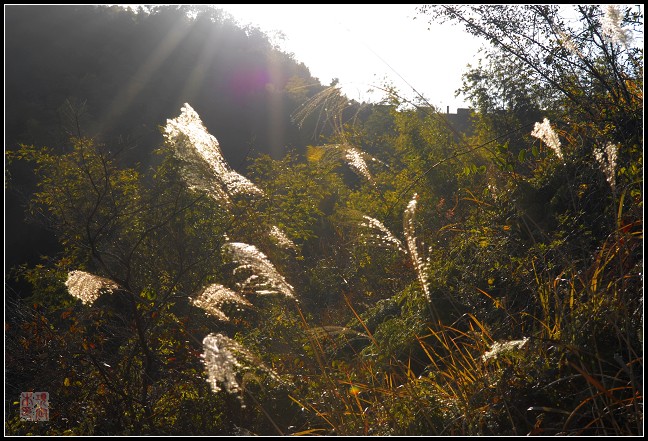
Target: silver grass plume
568,43
545,133
204,167
212,298
281,239
261,275
499,348
329,105
224,358
380,235
420,265
220,363
355,159
352,156
611,25
87,287
607,160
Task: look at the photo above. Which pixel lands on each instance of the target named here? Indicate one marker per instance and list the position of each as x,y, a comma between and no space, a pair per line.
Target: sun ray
147,68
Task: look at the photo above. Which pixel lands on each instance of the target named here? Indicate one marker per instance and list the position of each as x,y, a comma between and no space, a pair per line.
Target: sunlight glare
366,47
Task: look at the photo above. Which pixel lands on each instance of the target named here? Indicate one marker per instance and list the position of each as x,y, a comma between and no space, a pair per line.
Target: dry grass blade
594,382
369,335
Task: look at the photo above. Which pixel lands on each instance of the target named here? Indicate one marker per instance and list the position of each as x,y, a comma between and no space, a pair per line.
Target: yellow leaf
66,382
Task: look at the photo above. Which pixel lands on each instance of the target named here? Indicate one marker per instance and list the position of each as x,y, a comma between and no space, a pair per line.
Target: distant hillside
132,70
117,75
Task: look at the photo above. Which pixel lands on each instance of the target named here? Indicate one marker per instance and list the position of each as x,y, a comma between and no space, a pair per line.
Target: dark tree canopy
111,66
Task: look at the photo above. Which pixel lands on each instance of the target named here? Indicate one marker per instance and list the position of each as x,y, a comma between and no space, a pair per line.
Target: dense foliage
397,277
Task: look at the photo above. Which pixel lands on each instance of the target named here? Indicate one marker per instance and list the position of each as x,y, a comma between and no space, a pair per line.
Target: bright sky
365,45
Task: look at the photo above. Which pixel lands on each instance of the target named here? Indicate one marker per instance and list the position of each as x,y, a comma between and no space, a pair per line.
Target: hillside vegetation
391,276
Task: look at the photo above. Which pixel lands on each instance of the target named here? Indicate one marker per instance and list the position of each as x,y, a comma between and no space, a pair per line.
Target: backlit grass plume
204,167
329,105
421,265
221,363
261,277
352,156
546,134
611,25
87,287
607,159
280,238
355,159
224,358
213,297
499,348
380,235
